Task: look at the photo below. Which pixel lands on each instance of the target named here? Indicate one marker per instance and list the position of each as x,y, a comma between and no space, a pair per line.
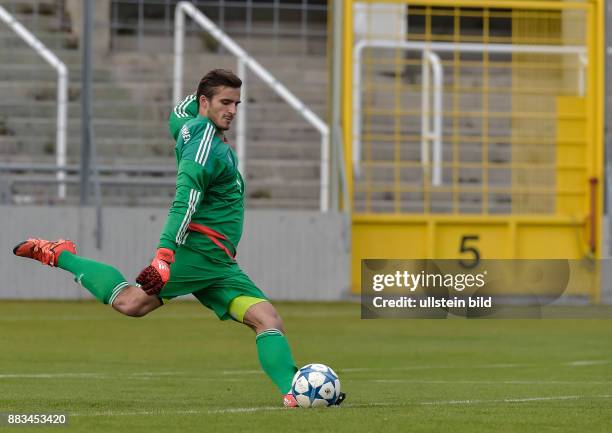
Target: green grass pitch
181,370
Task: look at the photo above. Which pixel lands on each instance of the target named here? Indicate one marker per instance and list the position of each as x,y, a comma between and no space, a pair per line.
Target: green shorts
215,284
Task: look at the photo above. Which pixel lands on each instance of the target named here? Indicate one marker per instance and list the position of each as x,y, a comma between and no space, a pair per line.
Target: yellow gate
473,129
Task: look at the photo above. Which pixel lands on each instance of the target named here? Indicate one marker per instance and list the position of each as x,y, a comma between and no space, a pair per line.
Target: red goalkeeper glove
154,277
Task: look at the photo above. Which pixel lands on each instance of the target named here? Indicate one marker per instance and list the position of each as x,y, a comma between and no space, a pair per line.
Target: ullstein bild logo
493,288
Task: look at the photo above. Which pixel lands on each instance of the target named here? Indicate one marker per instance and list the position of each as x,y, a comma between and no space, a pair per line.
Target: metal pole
336,104
86,101
242,119
62,114
203,21
62,92
179,47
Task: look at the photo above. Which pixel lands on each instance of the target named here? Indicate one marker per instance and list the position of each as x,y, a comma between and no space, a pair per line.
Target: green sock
275,358
102,280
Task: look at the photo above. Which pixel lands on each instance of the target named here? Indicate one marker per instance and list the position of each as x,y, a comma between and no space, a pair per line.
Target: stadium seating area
132,96
131,101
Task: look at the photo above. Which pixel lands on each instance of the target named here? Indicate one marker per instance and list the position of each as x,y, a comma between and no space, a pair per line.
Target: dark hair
214,79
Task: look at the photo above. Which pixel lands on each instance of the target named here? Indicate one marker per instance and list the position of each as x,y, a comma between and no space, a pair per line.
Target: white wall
290,255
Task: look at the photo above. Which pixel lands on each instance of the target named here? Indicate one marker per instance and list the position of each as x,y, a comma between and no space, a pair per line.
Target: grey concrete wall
296,255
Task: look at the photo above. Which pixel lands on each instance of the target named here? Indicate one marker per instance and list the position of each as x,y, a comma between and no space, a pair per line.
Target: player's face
223,106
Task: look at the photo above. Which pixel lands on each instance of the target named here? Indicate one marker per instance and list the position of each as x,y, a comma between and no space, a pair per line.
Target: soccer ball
315,385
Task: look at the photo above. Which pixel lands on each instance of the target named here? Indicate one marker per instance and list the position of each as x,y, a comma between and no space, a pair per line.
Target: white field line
494,382
427,367
138,375
582,363
586,363
406,368
238,372
349,406
514,400
215,378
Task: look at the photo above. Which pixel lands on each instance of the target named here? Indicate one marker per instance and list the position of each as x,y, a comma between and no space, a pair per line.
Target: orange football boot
46,252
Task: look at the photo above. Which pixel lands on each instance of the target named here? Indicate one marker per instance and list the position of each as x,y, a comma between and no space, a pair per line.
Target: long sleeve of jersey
195,173
182,113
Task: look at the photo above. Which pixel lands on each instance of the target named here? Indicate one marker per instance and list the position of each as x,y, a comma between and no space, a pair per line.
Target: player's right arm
182,113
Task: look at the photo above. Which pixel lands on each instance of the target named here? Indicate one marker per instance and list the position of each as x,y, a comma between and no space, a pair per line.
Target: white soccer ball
315,385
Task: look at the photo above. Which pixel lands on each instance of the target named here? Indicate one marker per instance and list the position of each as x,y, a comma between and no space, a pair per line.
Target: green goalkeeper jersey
209,187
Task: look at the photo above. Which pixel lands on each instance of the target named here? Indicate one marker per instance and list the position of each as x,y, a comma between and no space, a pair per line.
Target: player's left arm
196,171
191,186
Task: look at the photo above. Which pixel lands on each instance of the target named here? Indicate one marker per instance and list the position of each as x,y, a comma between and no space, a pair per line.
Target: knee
262,316
133,310
130,306
269,320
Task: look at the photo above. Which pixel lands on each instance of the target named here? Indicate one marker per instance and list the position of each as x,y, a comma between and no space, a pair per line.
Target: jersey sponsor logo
185,133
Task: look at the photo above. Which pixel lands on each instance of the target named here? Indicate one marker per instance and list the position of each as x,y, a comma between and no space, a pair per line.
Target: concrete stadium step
287,132
9,145
104,109
100,110
272,170
201,61
117,150
164,190
34,15
280,203
46,128
115,128
257,93
27,56
45,73
283,189
253,45
115,196
134,148
314,44
53,40
291,150
47,91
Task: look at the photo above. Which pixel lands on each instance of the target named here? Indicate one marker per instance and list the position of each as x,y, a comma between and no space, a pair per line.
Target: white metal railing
245,60
62,93
428,49
429,132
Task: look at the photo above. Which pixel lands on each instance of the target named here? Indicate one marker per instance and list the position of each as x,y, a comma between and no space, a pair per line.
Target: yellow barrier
522,135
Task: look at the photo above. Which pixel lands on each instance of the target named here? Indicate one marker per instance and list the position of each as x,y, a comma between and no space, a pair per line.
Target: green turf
181,370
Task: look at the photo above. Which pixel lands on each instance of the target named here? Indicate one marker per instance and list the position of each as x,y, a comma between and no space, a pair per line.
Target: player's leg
234,296
134,302
273,347
103,281
257,313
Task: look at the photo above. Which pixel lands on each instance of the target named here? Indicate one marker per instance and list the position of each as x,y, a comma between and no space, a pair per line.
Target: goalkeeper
197,247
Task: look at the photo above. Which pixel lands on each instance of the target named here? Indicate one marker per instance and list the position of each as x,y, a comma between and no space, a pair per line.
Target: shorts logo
185,133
